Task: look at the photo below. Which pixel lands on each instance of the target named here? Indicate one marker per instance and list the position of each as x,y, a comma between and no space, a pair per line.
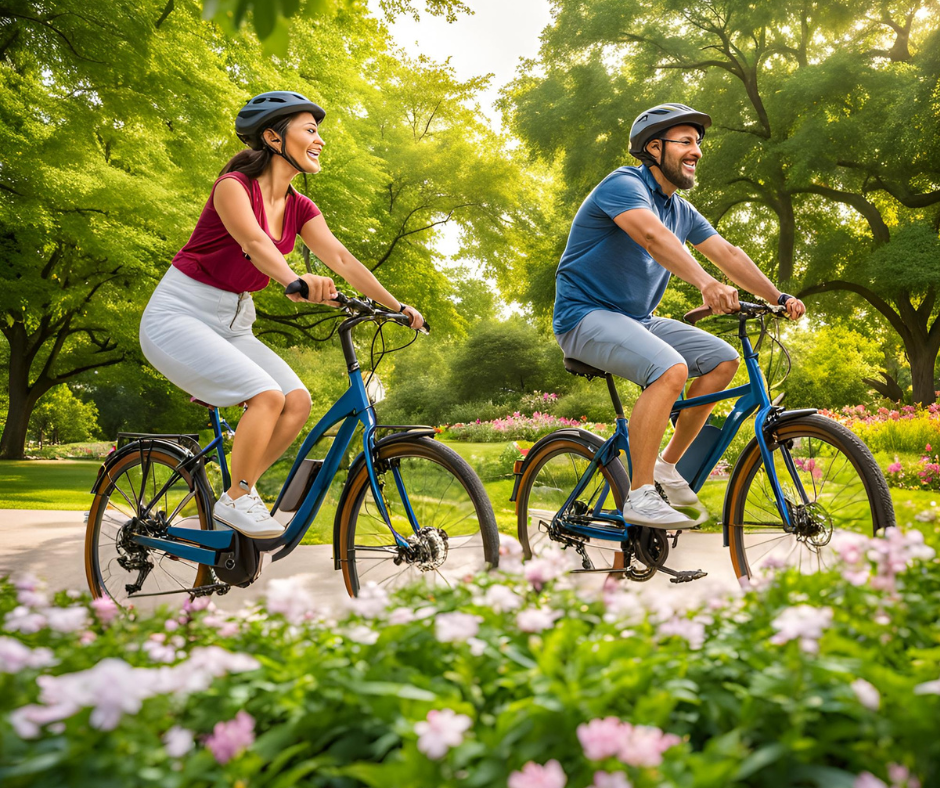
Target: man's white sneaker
646,507
676,488
247,515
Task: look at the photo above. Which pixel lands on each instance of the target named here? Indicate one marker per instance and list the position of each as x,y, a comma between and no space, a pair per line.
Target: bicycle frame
752,396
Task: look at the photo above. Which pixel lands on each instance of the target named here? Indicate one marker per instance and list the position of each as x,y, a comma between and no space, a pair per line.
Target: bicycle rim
123,493
444,493
546,486
844,489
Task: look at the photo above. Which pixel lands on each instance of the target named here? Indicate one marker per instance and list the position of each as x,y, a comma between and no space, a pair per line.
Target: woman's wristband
783,298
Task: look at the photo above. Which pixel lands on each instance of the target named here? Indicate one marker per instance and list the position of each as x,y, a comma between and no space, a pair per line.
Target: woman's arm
326,246
232,204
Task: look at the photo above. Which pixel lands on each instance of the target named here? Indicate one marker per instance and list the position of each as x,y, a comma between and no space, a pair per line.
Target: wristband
402,307
784,297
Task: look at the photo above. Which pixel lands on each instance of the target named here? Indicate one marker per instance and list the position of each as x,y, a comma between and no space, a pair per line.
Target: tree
825,141
62,417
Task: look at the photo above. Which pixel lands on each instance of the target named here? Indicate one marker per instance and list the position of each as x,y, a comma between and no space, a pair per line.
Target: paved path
50,544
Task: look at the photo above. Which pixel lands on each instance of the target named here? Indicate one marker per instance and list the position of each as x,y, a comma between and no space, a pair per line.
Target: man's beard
675,175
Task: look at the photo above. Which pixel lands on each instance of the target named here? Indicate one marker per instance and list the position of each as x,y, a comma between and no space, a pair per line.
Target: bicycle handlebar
358,306
747,311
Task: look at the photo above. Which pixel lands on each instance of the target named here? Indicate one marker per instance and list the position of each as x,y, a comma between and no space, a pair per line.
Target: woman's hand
795,308
416,318
321,288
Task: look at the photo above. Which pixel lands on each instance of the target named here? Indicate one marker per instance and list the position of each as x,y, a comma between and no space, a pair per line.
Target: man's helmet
264,109
652,123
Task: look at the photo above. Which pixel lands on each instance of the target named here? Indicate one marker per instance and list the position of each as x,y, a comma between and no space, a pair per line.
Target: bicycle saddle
576,367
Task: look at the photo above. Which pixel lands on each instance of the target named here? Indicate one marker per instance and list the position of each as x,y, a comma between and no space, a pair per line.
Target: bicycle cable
373,362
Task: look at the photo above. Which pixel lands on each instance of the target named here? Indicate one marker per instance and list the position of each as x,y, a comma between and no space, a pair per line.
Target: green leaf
404,691
265,17
759,759
276,43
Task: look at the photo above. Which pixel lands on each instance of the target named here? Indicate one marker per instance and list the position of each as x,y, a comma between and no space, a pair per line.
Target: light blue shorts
641,352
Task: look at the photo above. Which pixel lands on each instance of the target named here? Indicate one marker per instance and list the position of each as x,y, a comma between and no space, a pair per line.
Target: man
626,240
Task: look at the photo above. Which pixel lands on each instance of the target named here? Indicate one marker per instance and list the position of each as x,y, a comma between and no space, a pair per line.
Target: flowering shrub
518,427
517,678
905,429
922,475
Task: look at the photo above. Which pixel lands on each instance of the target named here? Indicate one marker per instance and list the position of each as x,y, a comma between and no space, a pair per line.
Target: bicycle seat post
614,396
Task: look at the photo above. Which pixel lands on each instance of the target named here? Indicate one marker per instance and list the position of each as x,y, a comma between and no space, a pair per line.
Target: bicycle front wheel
830,483
114,564
435,501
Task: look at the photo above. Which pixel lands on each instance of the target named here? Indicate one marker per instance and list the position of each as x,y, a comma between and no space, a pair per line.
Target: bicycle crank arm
684,576
599,571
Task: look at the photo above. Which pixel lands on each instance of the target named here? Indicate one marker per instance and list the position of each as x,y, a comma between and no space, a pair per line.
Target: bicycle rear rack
186,440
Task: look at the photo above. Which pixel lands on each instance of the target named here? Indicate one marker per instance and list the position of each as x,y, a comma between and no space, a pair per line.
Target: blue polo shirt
602,266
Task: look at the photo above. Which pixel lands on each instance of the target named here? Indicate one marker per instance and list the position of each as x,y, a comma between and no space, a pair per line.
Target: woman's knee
272,399
297,404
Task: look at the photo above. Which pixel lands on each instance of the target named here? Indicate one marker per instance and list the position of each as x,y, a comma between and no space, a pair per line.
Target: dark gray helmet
654,122
265,108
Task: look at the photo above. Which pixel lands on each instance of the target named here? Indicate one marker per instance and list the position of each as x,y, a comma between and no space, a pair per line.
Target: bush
517,427
819,677
592,400
907,430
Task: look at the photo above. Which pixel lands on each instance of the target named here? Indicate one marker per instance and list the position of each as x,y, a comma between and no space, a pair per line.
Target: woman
196,329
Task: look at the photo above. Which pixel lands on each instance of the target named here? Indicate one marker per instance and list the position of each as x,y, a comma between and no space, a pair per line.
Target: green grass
47,484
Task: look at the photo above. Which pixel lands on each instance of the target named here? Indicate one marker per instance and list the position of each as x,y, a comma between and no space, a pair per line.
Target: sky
491,41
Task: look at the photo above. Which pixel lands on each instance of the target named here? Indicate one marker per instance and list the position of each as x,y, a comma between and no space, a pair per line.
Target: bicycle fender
133,448
354,466
592,441
772,423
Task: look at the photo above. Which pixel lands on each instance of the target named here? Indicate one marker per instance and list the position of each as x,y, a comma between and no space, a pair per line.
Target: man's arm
645,228
743,271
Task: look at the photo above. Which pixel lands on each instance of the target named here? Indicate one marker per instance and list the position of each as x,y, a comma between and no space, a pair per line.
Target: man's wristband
402,307
784,297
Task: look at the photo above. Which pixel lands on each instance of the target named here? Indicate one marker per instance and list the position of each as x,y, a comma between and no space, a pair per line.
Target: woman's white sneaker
645,506
248,515
675,487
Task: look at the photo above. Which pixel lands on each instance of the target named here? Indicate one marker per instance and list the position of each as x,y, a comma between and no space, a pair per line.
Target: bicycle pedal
688,577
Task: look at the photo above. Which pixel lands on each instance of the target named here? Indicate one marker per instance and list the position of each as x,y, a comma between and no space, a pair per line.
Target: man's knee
674,378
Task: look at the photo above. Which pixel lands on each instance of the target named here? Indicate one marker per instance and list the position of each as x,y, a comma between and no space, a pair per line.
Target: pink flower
105,609
539,571
177,741
534,775
868,780
442,730
600,738
866,693
643,745
456,627
804,623
361,633
66,619
693,631
537,619
371,602
894,467
927,448
231,738
928,688
199,603
290,597
14,656
500,598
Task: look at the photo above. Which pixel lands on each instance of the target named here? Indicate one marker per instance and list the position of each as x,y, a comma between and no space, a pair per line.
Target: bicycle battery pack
300,485
696,455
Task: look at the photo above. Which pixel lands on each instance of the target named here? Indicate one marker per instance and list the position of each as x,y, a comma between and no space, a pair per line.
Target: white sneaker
646,507
677,489
247,515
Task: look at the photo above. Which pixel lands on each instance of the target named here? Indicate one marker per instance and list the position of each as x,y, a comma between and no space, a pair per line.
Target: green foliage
61,417
746,711
830,363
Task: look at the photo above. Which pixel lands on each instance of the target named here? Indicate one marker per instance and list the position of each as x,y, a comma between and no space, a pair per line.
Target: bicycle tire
355,519
825,431
614,474
104,490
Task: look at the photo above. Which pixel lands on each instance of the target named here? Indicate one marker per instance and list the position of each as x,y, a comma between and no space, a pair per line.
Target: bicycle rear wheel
127,487
456,530
549,478
844,489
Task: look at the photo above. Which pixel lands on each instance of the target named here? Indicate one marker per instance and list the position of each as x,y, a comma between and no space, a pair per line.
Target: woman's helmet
264,109
652,123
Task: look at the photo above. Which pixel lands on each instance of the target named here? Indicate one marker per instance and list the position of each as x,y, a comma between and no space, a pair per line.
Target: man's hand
321,289
417,320
795,308
723,299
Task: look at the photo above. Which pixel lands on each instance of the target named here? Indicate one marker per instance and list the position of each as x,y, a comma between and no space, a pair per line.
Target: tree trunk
786,239
922,360
23,399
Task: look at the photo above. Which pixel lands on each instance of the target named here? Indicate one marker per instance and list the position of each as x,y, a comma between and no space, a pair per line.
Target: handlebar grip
698,313
297,286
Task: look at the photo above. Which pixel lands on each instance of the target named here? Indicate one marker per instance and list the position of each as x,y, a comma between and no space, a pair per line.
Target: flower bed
514,678
517,427
907,429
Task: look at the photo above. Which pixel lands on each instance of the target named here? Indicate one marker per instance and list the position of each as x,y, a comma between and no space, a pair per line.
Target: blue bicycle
410,506
801,478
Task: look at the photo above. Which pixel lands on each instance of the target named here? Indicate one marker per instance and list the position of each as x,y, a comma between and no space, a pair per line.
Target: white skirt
200,338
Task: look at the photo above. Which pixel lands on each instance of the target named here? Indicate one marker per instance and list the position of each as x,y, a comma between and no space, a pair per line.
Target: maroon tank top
213,257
